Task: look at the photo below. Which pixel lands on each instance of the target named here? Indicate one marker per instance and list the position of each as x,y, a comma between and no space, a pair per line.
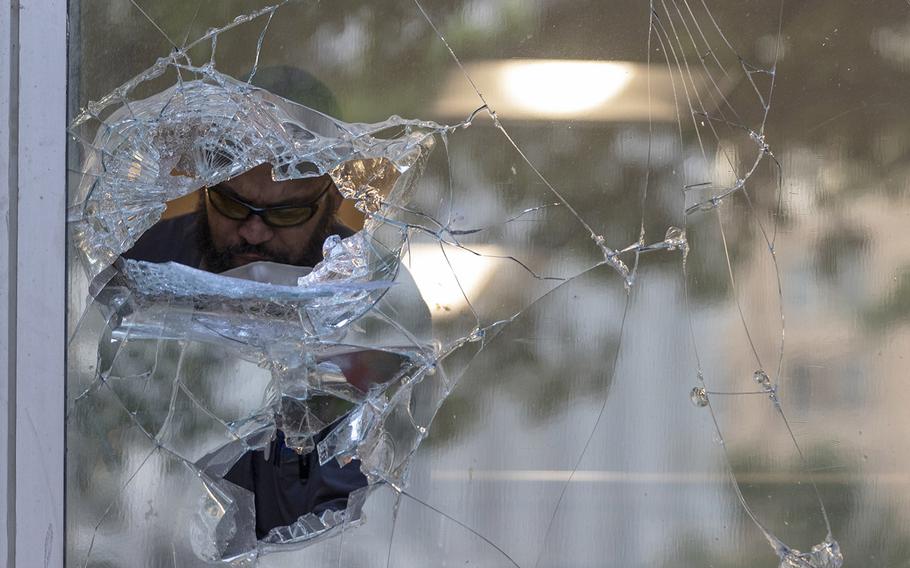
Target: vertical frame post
33,240
7,283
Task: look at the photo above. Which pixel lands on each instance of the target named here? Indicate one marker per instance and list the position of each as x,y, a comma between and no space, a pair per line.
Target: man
246,219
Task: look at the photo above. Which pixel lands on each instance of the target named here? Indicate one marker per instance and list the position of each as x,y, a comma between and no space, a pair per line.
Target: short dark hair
299,86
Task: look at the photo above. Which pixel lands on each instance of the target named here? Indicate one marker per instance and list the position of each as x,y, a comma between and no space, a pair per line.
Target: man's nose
254,231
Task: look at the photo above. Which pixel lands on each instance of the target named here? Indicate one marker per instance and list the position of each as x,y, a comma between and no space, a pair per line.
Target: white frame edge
5,282
33,242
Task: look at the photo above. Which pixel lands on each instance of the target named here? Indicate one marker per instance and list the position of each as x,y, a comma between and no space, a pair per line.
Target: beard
218,260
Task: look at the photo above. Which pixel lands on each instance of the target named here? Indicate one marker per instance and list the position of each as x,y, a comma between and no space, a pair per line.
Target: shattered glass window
488,282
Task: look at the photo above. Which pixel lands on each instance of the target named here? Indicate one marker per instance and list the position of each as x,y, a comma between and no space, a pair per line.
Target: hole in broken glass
253,259
254,228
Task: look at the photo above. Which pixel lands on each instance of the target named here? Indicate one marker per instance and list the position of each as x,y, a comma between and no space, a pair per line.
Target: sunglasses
279,216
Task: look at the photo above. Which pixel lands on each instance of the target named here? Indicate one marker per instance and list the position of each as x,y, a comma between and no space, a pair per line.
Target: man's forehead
257,184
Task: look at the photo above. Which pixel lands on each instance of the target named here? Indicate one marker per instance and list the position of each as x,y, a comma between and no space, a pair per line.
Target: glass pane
488,282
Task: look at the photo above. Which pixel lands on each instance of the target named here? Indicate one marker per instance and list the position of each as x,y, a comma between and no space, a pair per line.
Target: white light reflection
563,89
560,87
434,273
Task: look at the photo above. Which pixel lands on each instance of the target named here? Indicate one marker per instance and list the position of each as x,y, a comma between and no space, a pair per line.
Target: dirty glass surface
612,283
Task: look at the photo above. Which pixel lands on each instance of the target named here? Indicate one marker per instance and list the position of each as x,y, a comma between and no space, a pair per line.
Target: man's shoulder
168,240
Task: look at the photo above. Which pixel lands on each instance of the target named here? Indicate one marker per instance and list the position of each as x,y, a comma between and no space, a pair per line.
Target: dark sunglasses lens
289,216
227,206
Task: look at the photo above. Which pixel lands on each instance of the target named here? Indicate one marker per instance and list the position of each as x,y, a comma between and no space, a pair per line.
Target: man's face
230,243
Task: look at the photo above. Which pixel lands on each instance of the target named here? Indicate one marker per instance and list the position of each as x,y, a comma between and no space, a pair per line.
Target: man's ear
200,202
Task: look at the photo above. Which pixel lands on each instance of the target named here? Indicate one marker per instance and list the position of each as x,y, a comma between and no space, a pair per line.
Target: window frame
33,71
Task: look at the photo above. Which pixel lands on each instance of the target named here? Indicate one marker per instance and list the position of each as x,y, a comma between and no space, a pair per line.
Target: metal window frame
33,72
